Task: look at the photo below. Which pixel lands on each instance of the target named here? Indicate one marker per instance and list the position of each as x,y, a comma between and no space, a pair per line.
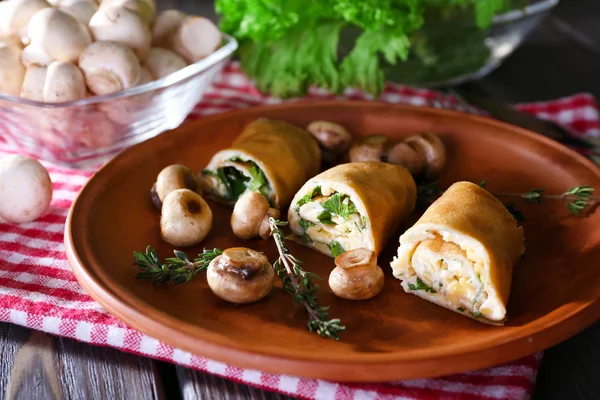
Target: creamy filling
331,222
235,178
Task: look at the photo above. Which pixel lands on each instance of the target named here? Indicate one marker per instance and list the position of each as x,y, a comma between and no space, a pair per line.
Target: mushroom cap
143,8
196,38
430,148
405,155
173,177
240,275
33,83
356,275
58,35
109,67
82,10
248,214
186,219
64,82
16,14
121,25
35,55
370,148
25,189
162,62
334,139
145,76
12,71
165,24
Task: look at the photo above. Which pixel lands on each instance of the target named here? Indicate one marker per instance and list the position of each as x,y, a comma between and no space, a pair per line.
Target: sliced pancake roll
460,254
351,206
271,157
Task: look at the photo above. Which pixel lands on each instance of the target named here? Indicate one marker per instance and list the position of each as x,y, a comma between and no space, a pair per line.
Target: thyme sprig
299,283
576,199
178,269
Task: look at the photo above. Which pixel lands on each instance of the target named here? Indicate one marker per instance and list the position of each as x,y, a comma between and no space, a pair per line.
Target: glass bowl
450,49
92,130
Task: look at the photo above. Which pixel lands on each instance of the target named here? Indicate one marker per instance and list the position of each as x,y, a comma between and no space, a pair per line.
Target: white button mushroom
162,62
64,82
356,275
145,76
165,25
369,148
143,8
16,14
190,36
171,178
82,10
12,72
33,83
109,67
55,36
240,275
250,217
403,154
25,189
121,25
186,219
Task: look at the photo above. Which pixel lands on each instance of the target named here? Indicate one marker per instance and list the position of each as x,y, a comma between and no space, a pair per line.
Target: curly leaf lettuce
288,46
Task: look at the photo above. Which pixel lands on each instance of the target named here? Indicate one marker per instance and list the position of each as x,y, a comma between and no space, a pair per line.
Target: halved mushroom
333,139
172,178
431,149
186,219
250,217
370,148
405,155
25,189
240,275
356,275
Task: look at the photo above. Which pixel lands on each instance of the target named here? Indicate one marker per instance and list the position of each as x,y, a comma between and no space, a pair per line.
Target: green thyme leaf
483,183
534,196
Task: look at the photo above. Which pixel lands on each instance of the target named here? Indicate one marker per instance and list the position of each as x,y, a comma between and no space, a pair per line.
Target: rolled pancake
271,157
350,206
460,254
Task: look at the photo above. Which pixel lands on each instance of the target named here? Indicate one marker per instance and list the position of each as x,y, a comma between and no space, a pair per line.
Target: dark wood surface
560,58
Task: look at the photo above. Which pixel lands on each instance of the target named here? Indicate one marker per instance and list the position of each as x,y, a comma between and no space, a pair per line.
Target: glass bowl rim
191,70
528,10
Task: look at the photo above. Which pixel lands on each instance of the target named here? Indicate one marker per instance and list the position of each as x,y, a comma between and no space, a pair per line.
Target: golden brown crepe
460,254
350,206
271,157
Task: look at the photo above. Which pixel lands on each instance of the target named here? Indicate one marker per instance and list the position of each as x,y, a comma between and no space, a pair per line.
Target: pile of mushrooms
422,154
185,217
64,50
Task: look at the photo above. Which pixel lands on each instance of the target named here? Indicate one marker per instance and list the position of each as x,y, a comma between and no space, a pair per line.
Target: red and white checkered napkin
38,290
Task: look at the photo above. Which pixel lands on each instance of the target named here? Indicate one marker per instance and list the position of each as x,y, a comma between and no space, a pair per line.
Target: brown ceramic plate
394,336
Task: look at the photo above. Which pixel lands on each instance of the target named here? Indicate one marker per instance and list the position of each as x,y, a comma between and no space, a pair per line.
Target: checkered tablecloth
39,291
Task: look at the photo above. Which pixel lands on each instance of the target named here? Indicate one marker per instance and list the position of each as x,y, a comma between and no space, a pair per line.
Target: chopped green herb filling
305,199
421,286
461,309
325,218
236,182
476,314
341,205
336,249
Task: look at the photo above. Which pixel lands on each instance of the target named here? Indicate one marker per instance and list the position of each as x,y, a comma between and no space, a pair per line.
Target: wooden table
560,58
